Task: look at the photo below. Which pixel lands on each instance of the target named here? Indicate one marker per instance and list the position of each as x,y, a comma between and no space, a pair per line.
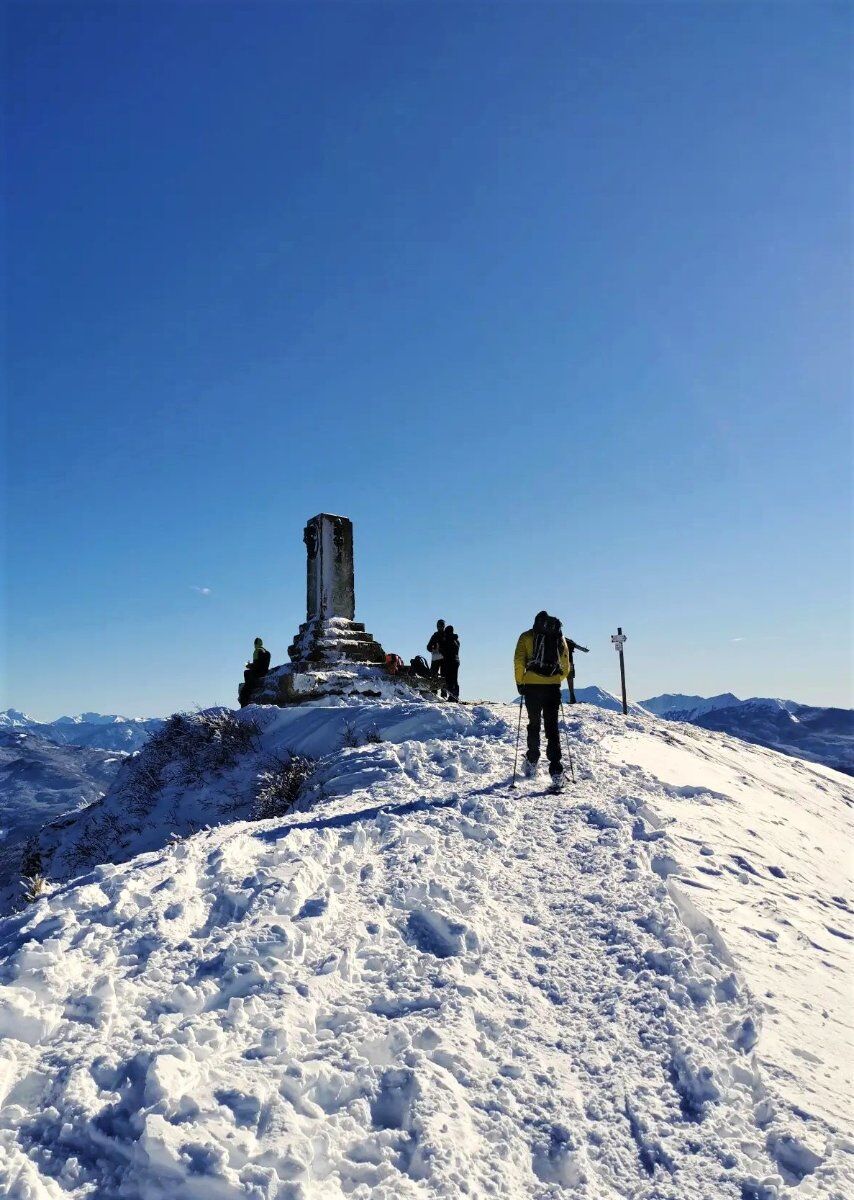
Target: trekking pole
566,739
518,729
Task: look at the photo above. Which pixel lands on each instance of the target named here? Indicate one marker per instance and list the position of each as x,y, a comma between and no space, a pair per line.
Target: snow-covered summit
671,703
12,718
93,718
95,730
423,984
597,696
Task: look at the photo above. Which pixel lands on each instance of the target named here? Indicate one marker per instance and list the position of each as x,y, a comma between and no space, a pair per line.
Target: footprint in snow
314,907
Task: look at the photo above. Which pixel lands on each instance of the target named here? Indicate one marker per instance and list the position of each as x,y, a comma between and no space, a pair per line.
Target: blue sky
554,301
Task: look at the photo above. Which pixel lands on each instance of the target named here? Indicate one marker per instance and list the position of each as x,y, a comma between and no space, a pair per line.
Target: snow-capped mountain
420,983
13,719
41,780
668,704
824,735
89,729
596,696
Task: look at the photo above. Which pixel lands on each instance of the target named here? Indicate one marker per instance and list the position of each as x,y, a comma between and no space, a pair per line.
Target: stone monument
331,590
330,633
332,655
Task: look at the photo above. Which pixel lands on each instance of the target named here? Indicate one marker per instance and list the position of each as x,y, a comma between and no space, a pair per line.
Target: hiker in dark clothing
541,663
434,649
255,669
451,662
570,679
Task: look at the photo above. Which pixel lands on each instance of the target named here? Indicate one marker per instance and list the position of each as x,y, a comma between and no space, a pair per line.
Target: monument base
332,654
294,683
334,639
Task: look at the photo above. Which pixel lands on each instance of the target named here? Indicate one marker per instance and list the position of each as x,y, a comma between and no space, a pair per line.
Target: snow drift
422,984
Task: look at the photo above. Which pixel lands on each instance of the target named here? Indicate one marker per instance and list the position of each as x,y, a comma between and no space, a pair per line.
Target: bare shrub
35,886
373,736
96,843
186,750
282,785
350,737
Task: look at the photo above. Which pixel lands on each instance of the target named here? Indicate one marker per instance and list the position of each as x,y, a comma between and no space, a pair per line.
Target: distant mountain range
94,730
49,768
40,780
822,735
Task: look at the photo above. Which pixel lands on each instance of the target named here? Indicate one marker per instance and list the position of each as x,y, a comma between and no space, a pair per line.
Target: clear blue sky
553,300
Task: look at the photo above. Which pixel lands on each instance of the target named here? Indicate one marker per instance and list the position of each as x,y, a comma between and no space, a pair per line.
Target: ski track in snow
425,985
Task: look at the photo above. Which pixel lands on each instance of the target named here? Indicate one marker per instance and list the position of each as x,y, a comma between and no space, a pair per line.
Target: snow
13,718
597,696
424,984
689,706
788,920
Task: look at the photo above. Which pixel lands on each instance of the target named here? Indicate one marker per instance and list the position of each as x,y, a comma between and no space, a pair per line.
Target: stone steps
336,640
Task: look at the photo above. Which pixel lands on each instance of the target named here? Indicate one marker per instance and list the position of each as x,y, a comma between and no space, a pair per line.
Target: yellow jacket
524,651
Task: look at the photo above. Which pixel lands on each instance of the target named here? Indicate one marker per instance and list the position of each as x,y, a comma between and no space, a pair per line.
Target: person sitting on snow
255,669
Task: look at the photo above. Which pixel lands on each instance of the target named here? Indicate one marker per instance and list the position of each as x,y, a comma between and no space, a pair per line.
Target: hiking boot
557,781
529,769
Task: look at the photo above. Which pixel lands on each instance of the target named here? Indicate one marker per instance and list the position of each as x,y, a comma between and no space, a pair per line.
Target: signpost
619,639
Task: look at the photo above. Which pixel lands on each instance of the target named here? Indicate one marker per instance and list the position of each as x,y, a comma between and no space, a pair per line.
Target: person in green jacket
255,669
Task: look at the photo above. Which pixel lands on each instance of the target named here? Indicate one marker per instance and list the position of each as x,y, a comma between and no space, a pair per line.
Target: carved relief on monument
310,537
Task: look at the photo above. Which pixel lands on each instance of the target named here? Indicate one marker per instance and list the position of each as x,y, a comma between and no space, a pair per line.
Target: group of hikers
544,657
444,651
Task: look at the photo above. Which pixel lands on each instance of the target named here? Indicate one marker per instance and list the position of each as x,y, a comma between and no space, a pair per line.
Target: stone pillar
330,634
332,653
330,590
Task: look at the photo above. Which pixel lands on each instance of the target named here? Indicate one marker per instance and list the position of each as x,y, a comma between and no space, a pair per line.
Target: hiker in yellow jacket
541,664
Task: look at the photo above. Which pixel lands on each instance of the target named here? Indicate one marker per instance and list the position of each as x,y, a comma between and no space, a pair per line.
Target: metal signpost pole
619,639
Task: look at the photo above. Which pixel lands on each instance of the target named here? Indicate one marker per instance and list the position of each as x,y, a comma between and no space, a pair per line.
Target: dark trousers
542,700
436,668
450,671
571,682
250,677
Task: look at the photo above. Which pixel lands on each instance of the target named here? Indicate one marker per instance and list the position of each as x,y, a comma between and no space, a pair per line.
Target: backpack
418,666
264,661
548,645
393,663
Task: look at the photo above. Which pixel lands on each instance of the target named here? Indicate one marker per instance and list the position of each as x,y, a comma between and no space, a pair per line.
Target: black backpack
549,644
419,666
264,661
